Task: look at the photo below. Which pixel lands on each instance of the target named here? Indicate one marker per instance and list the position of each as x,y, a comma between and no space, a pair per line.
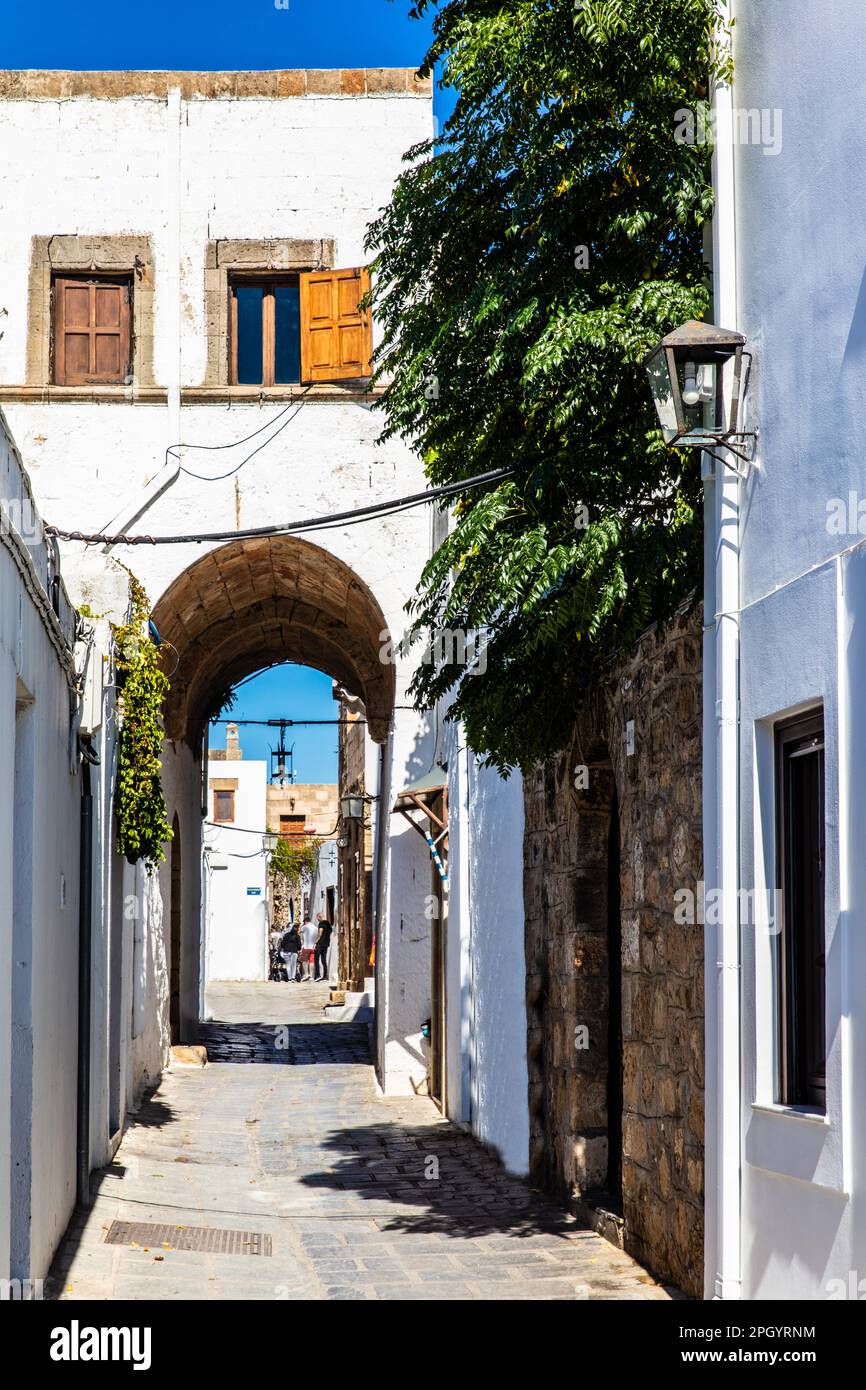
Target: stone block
324,81
187,1055
353,81
589,1158
292,83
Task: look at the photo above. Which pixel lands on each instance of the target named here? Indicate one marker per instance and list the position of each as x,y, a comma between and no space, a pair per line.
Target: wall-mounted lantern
270,840
352,808
686,378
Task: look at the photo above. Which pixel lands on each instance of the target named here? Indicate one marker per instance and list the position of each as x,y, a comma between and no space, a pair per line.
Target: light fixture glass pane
701,418
660,385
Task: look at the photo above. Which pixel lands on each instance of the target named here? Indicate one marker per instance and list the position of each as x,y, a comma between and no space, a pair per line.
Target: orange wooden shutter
91,332
336,337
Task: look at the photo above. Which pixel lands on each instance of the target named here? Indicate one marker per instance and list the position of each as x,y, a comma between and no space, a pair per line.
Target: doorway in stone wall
614,1010
575,984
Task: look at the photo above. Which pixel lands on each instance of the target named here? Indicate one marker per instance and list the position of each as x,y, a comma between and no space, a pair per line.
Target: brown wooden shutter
336,337
91,332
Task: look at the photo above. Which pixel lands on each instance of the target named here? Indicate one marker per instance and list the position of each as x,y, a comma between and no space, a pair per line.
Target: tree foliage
525,265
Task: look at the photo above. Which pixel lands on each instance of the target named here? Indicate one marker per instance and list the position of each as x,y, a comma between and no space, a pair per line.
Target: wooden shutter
336,337
91,331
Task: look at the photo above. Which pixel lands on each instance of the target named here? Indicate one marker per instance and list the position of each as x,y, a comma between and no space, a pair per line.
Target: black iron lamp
270,840
352,807
686,371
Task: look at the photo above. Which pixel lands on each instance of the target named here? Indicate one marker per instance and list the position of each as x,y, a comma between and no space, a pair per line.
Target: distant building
303,808
234,871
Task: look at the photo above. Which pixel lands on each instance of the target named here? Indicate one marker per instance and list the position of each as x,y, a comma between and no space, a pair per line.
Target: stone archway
275,598
237,609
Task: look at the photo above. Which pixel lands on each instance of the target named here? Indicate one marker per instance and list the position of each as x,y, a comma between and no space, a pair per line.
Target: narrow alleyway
310,1186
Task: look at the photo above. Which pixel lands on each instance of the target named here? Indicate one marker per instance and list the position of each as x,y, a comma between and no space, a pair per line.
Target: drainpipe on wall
721,781
85,953
468,1059
383,807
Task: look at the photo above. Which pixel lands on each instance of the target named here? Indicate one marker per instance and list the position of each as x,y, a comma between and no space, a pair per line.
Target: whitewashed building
235,876
161,235
785,672
46,799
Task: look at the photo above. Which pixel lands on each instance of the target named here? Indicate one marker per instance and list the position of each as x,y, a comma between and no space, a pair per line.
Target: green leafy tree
525,265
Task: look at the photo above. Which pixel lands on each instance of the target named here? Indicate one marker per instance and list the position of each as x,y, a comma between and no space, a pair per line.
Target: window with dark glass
802,989
265,331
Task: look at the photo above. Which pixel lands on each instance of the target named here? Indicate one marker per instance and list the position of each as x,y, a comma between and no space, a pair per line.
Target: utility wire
289,723
319,523
247,830
235,443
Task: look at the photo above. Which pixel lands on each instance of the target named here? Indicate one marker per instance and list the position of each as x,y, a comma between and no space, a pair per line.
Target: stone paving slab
290,1139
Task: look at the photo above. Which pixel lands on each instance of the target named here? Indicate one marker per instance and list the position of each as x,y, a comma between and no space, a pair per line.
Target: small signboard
254,892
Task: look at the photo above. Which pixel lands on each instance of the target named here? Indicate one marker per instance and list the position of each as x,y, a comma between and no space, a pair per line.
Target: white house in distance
234,875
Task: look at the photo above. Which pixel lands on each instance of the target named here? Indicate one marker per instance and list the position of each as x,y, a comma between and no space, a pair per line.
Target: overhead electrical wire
287,723
235,443
319,523
247,830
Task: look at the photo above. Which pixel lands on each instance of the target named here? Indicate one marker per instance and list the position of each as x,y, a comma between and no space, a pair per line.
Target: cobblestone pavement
361,1197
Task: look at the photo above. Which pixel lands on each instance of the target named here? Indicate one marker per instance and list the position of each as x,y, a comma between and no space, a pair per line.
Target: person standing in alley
290,947
309,936
323,945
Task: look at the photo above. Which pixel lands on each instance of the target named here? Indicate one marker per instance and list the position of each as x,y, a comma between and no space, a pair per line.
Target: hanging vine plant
142,820
294,858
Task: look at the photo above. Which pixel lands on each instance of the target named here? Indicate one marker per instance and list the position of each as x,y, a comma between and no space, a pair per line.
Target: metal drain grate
212,1240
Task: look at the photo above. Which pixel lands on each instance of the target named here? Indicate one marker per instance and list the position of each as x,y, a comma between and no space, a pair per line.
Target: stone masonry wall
658,792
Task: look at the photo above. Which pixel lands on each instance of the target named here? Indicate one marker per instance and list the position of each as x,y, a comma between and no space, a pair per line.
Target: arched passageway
239,608
276,598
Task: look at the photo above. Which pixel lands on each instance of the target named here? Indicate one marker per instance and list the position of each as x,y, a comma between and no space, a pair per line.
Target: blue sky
231,34
287,692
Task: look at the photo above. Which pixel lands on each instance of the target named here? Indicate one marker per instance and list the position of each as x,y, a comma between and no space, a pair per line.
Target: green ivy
142,820
293,857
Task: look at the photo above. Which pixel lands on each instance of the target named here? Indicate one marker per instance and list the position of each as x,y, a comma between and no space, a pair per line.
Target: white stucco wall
39,847
185,173
802,303
487,1078
325,877
403,964
237,928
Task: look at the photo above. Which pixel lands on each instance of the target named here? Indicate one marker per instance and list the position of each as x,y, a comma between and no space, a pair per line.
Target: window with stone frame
92,323
265,330
287,329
